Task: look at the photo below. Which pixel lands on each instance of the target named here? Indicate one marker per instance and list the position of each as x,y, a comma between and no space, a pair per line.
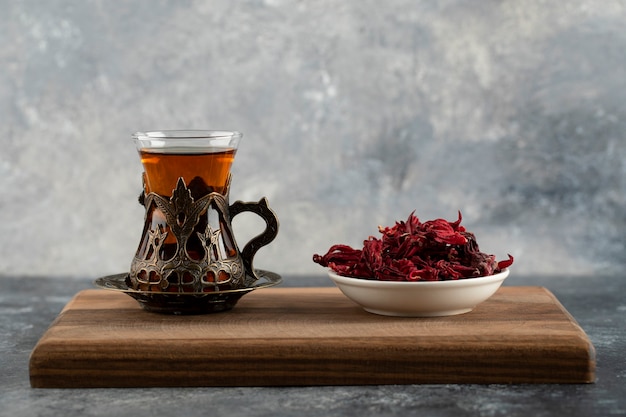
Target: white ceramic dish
419,299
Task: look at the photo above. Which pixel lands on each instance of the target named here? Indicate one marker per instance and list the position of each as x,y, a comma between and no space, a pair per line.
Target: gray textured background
355,113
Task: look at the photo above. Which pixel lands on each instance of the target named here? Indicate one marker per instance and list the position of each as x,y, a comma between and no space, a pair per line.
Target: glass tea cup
187,244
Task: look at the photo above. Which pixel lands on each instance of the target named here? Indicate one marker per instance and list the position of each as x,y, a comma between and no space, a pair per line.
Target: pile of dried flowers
435,250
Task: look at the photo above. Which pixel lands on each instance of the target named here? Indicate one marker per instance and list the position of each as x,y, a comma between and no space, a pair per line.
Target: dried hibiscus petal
505,264
434,250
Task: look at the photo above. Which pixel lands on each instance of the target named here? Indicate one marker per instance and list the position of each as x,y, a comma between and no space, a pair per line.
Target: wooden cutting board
310,336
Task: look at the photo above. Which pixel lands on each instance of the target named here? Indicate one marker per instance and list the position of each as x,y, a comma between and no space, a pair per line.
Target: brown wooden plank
310,336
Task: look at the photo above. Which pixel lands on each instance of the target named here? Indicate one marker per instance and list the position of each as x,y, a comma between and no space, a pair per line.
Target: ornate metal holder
188,247
188,260
179,268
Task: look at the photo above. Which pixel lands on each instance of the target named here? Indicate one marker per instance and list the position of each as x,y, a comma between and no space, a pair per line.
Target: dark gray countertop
28,306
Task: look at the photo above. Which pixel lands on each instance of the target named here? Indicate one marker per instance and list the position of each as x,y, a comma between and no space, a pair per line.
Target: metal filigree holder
188,245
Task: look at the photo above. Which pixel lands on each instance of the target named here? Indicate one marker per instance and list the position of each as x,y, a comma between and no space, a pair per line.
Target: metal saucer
186,303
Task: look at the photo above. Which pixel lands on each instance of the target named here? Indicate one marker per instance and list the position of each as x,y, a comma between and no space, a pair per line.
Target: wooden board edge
42,371
582,338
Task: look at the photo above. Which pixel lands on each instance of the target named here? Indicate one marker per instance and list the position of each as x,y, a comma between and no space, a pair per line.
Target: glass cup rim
187,134
193,141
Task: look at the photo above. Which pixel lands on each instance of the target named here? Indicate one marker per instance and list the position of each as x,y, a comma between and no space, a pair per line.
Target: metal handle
268,235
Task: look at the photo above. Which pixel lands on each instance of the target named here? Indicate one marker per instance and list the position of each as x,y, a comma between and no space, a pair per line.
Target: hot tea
203,171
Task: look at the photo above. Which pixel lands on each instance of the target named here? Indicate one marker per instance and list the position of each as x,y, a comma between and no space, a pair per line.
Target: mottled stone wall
355,113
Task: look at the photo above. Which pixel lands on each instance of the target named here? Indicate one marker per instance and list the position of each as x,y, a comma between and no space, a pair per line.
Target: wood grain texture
310,336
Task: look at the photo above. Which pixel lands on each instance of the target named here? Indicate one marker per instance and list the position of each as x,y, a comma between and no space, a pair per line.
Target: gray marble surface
28,306
354,114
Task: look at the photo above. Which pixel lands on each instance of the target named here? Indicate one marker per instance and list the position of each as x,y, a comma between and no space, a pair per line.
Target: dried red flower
435,250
